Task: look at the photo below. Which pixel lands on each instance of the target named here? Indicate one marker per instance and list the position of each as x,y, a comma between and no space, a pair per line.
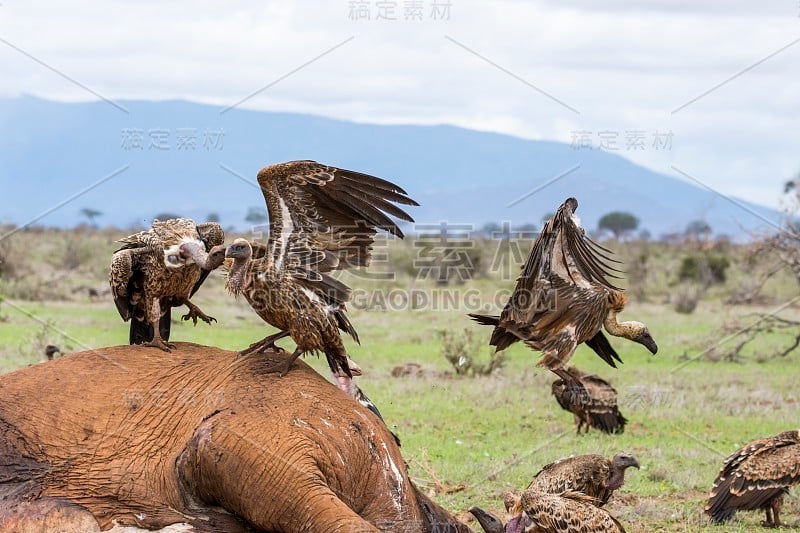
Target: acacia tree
91,214
255,215
618,223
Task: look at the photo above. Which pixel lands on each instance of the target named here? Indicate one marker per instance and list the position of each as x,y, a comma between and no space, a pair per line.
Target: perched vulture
592,474
162,268
322,219
756,477
594,406
568,512
563,298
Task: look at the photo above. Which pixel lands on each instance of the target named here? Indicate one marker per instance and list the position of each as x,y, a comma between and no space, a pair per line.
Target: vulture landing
563,298
162,268
756,477
322,219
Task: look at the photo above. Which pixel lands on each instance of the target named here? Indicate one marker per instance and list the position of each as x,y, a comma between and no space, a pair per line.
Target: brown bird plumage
321,219
540,512
593,406
162,268
591,474
563,298
756,477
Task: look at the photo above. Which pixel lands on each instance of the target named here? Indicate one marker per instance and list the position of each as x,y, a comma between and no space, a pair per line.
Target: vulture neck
616,479
628,330
236,275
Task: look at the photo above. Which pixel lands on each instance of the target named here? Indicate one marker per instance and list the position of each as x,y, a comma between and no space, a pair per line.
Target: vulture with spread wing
594,406
568,512
564,298
756,477
321,219
591,474
162,268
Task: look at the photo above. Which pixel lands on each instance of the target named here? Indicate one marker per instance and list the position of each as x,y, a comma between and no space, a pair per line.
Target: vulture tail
364,400
599,343
501,339
142,332
609,422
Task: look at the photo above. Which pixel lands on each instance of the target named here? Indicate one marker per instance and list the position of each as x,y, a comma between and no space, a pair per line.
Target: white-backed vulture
563,298
594,406
321,219
540,512
162,268
756,476
591,474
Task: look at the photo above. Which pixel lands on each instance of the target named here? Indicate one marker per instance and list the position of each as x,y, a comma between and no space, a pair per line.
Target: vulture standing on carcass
321,219
591,474
563,298
568,512
756,477
162,268
595,406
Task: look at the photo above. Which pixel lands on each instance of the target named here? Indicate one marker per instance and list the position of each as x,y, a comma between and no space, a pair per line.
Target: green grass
490,434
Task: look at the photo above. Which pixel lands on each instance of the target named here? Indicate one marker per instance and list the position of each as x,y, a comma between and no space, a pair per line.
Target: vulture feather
567,512
162,268
591,474
595,405
564,297
756,477
321,219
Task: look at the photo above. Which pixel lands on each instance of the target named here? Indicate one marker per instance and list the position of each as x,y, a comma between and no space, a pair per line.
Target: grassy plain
687,409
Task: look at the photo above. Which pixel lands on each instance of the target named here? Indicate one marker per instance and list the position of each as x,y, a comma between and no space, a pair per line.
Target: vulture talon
158,343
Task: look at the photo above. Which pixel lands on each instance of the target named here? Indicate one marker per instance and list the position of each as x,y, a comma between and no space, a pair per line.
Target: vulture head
194,252
489,522
642,336
619,463
239,249
211,234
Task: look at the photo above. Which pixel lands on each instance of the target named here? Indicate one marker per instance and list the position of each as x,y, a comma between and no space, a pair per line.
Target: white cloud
623,66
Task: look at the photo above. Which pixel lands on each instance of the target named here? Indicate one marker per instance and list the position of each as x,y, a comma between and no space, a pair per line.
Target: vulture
162,268
591,474
756,477
567,512
51,350
321,219
563,298
594,406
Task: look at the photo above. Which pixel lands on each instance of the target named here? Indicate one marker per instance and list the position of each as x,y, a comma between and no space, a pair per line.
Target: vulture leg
284,367
195,313
155,318
265,344
773,517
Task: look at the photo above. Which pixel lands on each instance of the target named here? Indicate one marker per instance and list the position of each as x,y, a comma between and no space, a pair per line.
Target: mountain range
139,159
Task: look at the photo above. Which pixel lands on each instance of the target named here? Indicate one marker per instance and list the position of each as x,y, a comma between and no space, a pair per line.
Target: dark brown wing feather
568,512
755,474
563,287
324,218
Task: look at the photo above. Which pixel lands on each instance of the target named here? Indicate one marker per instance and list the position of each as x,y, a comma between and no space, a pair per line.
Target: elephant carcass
201,436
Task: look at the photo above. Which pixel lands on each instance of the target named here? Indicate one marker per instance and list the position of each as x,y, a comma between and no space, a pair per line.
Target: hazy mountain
174,155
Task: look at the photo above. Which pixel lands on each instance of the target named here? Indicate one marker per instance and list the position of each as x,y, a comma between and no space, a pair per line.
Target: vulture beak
647,341
489,522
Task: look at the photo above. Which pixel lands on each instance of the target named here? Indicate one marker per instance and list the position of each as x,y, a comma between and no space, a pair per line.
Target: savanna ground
468,438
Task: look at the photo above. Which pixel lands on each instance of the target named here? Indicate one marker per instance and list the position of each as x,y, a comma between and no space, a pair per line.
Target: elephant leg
273,486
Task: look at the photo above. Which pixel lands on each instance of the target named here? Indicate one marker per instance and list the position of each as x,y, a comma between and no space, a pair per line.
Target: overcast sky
569,71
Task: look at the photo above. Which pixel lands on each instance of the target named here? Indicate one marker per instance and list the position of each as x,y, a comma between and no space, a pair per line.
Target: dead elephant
133,436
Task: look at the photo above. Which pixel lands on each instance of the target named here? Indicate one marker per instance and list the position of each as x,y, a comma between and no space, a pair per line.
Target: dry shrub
460,349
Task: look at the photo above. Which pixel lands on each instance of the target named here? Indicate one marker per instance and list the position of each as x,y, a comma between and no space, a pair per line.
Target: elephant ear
437,518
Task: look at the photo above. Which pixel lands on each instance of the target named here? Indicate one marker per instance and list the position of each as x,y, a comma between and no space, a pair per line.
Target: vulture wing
755,474
568,512
324,218
603,411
